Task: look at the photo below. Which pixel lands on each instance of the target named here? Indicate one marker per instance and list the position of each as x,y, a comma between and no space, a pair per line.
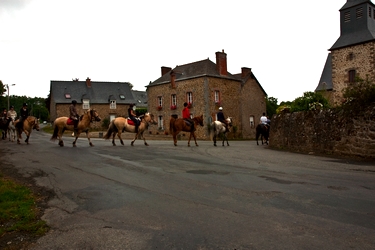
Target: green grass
18,210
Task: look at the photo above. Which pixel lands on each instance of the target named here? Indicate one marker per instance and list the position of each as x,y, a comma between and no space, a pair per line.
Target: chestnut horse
121,124
29,124
176,125
218,128
61,124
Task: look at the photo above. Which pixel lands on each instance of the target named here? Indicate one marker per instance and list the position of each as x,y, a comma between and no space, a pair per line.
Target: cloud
13,5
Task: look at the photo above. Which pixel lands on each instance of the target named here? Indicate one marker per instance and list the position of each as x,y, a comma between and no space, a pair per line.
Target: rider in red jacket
186,116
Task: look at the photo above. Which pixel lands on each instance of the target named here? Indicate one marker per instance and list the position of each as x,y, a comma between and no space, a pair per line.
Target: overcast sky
284,42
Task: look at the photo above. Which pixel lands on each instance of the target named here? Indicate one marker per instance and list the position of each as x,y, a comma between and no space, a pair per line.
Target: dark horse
4,124
176,125
263,131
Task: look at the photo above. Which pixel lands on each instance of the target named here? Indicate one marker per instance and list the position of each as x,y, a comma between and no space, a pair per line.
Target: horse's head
34,122
94,115
199,120
150,118
229,121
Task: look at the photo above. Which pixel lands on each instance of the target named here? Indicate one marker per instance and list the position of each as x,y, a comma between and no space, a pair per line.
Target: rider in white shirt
264,119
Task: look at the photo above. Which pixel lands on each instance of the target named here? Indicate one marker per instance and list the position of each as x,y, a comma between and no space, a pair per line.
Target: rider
12,113
74,115
133,116
187,117
24,113
221,118
4,115
265,120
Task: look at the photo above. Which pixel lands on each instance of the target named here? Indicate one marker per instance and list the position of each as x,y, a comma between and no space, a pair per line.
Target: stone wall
331,132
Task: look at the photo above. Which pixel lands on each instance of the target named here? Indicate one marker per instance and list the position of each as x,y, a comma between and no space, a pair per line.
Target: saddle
130,121
70,122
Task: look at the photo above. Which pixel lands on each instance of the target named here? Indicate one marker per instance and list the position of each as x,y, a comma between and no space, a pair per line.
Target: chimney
221,63
88,82
165,70
173,78
245,72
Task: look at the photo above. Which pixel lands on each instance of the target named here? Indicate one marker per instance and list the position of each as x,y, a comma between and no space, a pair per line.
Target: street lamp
7,86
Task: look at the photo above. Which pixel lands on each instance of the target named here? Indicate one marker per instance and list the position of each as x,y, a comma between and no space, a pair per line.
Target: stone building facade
206,86
352,55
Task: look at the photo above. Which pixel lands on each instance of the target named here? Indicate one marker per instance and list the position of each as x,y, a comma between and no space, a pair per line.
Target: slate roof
351,3
356,31
99,92
140,98
325,82
193,70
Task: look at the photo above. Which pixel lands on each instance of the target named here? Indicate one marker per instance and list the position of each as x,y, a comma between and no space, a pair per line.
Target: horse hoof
146,144
92,145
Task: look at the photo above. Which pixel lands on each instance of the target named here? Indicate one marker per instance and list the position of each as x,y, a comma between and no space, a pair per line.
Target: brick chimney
173,78
221,63
165,70
88,82
245,72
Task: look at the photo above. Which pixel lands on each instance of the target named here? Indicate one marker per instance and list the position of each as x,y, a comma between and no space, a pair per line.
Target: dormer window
112,104
67,96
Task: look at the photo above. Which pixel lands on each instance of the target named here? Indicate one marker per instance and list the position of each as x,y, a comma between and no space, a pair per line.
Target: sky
285,43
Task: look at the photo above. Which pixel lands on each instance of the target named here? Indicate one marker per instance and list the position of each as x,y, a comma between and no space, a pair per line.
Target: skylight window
122,97
67,96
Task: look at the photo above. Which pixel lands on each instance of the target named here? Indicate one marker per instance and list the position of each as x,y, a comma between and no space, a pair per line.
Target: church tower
353,54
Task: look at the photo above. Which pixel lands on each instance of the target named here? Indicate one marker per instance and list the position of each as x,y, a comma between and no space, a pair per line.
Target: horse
12,131
176,125
121,124
218,128
65,123
263,131
4,123
30,123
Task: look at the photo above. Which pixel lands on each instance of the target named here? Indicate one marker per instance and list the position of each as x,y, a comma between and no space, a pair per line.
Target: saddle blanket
70,122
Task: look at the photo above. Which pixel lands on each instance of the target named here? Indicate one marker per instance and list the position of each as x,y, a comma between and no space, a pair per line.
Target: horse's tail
171,125
111,129
55,132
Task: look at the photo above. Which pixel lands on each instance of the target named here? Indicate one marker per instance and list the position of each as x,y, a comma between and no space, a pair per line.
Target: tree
2,88
271,106
308,99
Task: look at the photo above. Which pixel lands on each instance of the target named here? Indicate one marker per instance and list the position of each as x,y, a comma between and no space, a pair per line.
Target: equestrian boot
136,128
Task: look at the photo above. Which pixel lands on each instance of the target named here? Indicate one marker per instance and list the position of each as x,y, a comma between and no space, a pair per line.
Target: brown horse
4,124
120,124
29,124
263,131
176,125
61,124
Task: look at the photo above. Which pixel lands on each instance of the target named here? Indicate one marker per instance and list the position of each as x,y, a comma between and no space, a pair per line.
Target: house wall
362,61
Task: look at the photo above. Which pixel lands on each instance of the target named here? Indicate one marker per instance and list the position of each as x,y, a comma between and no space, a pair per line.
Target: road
165,197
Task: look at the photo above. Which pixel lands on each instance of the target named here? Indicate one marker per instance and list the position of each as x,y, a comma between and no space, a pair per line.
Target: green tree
271,106
359,95
304,102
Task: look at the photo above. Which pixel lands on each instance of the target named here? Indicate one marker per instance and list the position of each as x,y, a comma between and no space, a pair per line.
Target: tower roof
351,3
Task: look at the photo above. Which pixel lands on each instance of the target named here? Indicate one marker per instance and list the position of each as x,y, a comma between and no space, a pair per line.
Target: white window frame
174,100
85,104
189,97
160,101
160,122
112,104
217,96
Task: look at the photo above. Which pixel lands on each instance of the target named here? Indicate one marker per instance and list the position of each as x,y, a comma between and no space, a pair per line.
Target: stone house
110,99
353,54
206,86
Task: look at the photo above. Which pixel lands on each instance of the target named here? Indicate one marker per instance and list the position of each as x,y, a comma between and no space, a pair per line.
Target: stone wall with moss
333,132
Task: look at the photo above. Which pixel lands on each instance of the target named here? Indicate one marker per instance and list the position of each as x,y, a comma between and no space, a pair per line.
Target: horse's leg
175,137
195,138
215,138
88,137
144,139
226,137
257,137
119,136
135,138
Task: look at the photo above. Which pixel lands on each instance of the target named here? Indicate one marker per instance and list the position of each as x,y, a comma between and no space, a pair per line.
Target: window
173,101
189,97
85,104
160,122
352,76
67,96
122,97
369,11
160,101
359,13
112,104
347,16
217,96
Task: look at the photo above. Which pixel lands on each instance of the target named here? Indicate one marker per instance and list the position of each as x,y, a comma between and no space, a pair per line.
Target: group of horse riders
75,117
12,115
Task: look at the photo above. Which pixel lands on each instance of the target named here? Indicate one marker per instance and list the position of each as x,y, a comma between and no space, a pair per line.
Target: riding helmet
221,108
24,104
74,102
12,107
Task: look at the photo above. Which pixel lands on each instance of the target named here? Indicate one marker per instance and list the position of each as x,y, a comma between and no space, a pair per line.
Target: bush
309,101
359,95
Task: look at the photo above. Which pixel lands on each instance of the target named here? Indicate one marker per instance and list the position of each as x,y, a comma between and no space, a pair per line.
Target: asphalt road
165,197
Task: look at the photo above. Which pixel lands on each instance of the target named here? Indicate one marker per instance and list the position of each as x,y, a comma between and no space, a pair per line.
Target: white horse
218,128
12,131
